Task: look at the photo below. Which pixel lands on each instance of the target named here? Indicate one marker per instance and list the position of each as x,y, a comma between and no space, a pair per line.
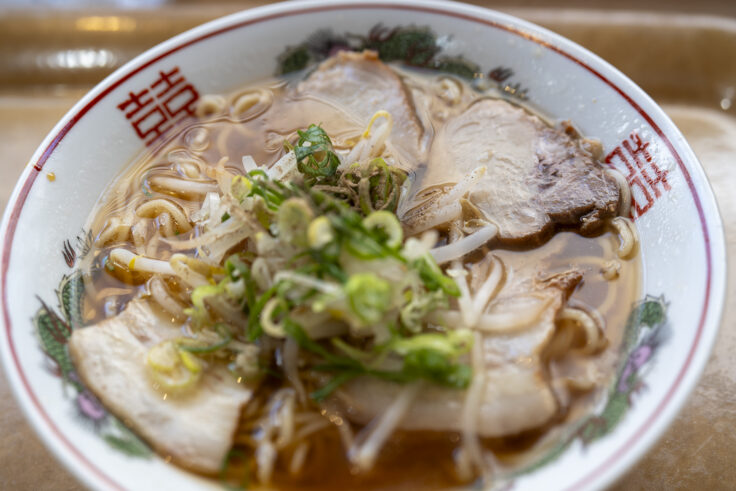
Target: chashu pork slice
361,84
195,429
536,176
516,394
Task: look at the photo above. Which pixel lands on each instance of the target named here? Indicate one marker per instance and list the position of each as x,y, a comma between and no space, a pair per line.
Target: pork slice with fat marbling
536,176
516,395
195,429
361,84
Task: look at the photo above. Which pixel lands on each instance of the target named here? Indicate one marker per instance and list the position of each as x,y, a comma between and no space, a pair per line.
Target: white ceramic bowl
675,211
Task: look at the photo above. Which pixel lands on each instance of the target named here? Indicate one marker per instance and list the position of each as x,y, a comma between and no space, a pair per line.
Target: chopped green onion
191,345
255,329
319,232
172,368
436,367
294,217
321,394
314,153
332,224
369,296
450,344
388,225
433,277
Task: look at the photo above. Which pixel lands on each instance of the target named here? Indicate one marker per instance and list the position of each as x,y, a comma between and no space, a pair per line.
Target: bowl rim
617,462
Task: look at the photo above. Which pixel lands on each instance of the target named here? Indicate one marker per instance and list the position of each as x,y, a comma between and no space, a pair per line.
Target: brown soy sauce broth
410,460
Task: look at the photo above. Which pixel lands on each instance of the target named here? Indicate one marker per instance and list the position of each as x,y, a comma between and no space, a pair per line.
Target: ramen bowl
670,329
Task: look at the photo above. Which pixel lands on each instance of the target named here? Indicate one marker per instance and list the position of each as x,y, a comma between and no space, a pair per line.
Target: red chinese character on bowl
152,112
645,177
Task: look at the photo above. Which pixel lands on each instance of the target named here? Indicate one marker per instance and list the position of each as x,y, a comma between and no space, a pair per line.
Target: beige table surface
699,450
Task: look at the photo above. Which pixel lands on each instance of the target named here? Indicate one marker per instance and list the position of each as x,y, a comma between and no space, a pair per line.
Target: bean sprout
473,398
161,295
364,455
140,263
466,245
